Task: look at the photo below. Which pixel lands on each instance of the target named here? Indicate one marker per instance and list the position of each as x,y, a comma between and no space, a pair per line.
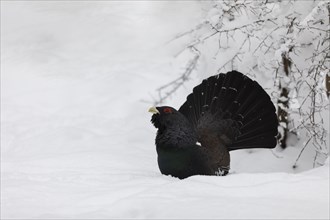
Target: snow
76,137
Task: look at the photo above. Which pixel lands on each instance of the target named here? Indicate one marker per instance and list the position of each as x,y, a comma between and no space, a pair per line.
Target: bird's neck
176,137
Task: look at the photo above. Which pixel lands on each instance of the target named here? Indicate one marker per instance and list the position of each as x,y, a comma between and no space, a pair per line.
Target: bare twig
170,88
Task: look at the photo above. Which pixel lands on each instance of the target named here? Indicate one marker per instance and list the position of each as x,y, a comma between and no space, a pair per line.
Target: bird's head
164,116
174,129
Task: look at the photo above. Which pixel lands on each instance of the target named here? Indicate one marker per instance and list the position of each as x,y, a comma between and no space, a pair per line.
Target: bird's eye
167,110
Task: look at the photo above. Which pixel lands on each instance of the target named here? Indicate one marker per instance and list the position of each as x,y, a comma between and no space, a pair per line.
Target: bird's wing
234,110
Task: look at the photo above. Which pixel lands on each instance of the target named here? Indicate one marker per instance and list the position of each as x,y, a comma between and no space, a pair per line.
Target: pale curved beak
153,110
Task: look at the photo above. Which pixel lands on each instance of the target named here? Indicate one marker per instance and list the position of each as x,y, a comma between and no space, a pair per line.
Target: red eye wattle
167,110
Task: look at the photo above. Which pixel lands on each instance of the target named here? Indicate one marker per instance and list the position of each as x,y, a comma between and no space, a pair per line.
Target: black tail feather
236,97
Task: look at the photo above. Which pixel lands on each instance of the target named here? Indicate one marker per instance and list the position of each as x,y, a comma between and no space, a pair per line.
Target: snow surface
76,137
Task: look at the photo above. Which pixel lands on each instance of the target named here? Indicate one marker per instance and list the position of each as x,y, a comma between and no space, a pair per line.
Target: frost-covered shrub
284,45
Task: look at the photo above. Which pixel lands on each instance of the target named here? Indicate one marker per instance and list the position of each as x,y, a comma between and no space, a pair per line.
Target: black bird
225,112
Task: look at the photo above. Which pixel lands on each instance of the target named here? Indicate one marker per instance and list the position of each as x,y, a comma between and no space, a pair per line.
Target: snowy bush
285,46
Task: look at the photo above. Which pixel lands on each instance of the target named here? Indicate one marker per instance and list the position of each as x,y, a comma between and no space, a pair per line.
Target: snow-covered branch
277,42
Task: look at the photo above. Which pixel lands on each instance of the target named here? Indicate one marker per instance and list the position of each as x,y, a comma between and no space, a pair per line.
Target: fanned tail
236,100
